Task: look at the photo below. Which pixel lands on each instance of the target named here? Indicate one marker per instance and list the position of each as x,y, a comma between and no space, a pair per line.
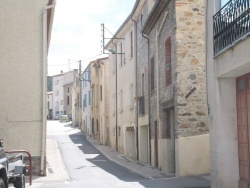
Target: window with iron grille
142,105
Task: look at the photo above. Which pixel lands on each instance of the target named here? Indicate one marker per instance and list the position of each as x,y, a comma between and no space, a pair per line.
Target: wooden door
243,119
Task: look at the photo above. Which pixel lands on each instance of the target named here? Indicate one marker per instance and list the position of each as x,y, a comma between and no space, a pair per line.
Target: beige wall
192,155
21,75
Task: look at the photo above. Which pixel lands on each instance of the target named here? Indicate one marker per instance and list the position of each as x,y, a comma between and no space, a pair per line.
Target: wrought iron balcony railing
230,23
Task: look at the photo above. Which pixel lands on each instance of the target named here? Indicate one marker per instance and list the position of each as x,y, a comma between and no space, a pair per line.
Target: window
97,95
57,82
57,93
131,44
48,105
93,96
142,85
85,101
114,101
168,64
121,101
68,89
61,102
100,92
131,88
152,74
67,100
89,97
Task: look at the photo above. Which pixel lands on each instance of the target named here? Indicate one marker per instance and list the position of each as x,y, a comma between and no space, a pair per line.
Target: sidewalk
142,169
56,171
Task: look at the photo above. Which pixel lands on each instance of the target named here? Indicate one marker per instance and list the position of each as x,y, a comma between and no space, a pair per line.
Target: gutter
44,83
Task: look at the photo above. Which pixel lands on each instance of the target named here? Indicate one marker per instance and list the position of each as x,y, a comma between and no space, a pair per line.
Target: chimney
61,71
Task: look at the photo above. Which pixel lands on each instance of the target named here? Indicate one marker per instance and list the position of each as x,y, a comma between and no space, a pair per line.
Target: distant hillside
49,83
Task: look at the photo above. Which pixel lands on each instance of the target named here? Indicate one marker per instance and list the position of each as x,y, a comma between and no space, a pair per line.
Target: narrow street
85,166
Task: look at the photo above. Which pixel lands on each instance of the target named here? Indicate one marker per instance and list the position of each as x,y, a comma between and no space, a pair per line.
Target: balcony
231,23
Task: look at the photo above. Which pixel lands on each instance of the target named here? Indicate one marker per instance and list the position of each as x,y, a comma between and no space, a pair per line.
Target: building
68,81
228,67
86,96
122,80
62,92
100,108
24,49
76,103
57,85
179,132
49,105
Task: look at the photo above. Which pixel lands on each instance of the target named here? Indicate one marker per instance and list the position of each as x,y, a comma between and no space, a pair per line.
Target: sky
76,31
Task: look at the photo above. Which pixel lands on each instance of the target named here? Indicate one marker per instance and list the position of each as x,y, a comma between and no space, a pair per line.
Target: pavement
56,171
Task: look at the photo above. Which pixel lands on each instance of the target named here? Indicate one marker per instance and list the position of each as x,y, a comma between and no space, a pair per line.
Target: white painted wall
222,71
57,94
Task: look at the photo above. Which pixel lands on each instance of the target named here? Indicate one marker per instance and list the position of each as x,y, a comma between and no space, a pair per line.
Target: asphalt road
88,168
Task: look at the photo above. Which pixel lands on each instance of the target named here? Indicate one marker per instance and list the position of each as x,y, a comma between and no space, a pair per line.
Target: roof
50,18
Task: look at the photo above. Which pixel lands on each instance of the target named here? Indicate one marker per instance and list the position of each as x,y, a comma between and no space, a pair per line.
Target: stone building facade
178,118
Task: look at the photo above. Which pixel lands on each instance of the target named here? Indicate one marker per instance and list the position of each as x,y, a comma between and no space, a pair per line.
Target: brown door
243,123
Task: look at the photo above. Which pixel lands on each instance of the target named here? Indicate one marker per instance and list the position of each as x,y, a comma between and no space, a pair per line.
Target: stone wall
190,69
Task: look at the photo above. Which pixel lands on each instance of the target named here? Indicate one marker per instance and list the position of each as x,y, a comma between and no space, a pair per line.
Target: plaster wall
222,71
21,76
125,89
86,111
192,155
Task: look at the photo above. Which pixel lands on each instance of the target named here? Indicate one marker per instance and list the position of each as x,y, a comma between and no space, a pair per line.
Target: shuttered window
168,64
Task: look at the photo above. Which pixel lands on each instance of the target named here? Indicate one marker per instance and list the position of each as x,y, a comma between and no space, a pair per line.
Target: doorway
243,117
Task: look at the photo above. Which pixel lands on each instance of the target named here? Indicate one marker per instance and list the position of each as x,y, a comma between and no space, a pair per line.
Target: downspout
157,71
104,104
116,120
136,90
44,83
149,89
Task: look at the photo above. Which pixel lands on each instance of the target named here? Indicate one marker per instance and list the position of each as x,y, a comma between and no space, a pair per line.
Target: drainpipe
136,90
44,82
149,89
157,71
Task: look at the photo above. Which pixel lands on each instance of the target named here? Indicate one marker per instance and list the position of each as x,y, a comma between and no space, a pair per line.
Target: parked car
12,169
70,117
64,118
57,116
